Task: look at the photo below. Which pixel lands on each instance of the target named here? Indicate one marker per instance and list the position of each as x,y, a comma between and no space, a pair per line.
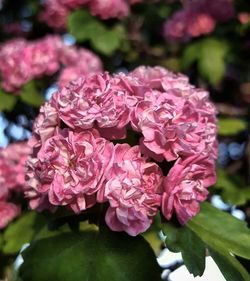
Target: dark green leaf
30,95
230,267
190,55
7,101
221,230
90,255
1,241
189,244
21,231
107,42
231,126
83,26
233,189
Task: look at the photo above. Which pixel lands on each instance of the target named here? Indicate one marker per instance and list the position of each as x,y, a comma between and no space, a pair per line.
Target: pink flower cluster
56,11
22,61
196,18
140,142
12,179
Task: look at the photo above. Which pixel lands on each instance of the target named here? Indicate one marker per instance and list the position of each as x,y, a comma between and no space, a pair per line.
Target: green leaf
7,101
221,230
83,26
190,55
211,62
189,244
233,189
30,95
230,267
90,255
152,235
231,126
1,242
153,238
21,231
107,42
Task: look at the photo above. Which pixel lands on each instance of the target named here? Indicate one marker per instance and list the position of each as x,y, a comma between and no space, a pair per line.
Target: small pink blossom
200,24
4,192
78,63
44,125
55,14
151,76
12,166
109,8
69,169
43,56
13,77
132,190
244,17
8,211
186,185
28,60
12,173
96,98
197,18
176,119
169,124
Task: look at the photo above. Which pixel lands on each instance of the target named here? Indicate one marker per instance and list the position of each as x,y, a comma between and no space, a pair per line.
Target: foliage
90,255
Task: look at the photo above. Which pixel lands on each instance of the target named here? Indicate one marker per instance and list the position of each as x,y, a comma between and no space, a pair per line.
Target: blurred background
209,41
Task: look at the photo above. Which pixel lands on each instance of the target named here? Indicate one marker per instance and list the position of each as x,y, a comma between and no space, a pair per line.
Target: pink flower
73,164
70,74
79,62
132,190
30,60
4,192
96,98
186,185
199,24
73,3
169,124
13,77
56,11
12,173
55,14
176,119
187,23
197,18
175,27
42,55
26,61
109,8
244,17
69,169
12,166
151,76
8,212
44,125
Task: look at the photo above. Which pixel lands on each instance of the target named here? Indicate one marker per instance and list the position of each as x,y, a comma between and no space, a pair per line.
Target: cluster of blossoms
56,11
29,60
138,142
12,179
196,18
